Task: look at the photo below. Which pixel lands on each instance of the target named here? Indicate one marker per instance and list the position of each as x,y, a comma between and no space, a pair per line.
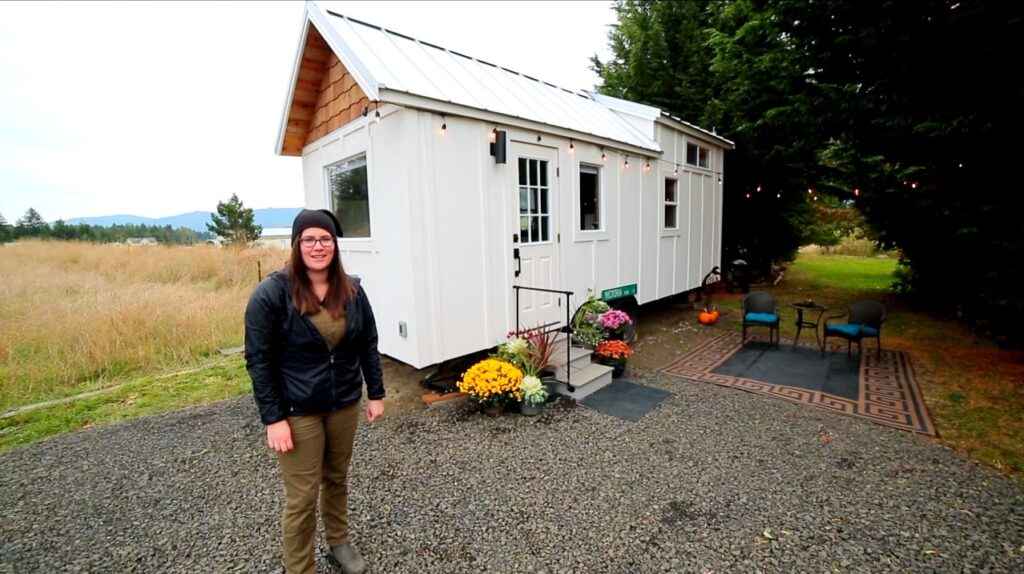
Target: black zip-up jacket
293,371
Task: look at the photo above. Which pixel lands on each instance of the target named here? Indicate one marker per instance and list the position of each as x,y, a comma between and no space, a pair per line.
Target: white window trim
552,197
678,229
589,235
700,146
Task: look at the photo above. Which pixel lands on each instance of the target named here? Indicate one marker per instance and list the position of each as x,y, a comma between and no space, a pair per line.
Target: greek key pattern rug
888,393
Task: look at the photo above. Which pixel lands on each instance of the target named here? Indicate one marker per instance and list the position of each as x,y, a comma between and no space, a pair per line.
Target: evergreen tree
233,222
32,225
6,232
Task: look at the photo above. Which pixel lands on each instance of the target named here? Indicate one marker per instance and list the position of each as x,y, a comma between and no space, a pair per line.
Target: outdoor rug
625,400
879,389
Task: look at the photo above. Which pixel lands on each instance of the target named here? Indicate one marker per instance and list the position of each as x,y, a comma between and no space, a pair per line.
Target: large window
534,205
346,181
590,198
671,204
697,155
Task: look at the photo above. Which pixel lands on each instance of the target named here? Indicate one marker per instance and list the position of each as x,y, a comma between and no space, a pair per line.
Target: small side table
801,322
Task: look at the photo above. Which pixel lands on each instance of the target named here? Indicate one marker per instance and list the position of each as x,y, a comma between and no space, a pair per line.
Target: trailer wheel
629,306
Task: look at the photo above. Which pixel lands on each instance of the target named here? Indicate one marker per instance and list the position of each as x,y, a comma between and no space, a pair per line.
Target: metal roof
403,64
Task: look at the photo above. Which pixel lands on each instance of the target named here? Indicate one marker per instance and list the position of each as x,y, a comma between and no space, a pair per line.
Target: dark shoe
347,557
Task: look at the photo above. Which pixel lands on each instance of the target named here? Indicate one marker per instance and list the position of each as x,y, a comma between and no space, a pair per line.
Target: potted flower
492,384
614,354
586,323
615,322
533,393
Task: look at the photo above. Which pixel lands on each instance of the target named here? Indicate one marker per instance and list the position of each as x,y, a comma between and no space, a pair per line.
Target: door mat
880,389
625,400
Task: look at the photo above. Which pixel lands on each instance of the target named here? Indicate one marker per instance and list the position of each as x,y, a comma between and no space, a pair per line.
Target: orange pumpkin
714,314
706,318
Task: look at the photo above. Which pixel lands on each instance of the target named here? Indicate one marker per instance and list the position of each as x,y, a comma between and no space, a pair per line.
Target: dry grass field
77,316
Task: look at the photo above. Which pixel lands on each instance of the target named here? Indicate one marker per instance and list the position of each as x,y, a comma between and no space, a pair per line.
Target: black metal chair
863,321
760,309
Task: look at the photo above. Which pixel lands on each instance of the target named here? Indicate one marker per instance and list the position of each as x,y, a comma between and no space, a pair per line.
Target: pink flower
614,319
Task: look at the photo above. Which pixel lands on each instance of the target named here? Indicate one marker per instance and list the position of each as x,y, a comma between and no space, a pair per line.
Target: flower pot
493,411
618,369
618,366
531,410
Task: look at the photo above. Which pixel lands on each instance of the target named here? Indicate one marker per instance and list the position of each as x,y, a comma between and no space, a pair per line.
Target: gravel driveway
713,480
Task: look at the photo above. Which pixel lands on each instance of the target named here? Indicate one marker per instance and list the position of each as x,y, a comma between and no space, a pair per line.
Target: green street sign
618,292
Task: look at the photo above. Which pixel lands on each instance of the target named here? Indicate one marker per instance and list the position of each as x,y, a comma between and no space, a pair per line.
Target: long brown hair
340,290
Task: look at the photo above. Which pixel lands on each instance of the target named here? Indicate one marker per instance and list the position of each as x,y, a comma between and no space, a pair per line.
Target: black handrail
567,330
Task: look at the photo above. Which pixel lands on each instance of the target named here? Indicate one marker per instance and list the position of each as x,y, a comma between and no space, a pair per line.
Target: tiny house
456,180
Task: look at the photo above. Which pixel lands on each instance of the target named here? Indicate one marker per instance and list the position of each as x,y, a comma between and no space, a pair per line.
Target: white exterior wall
443,214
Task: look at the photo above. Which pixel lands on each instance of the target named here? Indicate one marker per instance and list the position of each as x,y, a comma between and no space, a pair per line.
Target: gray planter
531,410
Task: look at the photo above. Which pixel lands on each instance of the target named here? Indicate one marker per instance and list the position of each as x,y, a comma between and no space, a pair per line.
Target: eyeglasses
309,242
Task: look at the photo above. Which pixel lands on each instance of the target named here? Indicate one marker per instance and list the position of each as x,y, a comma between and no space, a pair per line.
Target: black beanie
321,218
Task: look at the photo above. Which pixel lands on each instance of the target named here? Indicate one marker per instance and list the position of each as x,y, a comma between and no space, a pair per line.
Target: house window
590,198
534,204
697,155
671,204
346,181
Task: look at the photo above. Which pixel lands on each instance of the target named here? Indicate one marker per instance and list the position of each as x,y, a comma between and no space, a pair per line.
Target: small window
697,155
350,195
590,198
671,204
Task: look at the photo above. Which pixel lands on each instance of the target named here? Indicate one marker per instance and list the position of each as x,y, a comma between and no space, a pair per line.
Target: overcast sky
155,109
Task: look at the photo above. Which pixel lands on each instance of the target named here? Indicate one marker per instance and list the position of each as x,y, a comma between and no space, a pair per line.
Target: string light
538,137
675,172
603,157
856,191
778,195
647,166
572,148
759,189
626,164
444,125
748,195
376,112
809,190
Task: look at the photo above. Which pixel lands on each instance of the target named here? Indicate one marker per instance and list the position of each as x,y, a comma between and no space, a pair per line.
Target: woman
310,340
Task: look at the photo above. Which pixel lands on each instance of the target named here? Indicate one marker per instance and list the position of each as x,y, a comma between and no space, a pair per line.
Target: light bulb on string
675,171
376,115
759,188
572,148
444,125
856,191
647,166
603,157
626,164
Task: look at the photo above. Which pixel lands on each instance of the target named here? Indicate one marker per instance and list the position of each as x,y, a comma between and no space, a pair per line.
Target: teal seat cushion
845,329
866,331
766,318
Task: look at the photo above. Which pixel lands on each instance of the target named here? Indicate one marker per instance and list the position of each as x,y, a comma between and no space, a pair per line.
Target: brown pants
323,449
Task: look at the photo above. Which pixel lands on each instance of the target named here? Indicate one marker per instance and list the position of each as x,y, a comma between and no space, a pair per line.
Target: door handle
519,262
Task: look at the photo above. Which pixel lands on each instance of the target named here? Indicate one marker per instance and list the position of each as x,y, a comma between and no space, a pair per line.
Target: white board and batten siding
445,218
443,215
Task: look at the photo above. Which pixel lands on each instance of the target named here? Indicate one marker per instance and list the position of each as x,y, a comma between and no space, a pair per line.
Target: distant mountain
197,220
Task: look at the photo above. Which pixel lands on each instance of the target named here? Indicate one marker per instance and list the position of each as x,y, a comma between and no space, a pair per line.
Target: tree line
33,226
906,111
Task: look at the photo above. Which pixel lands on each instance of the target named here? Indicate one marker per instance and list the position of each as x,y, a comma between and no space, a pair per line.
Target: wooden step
586,381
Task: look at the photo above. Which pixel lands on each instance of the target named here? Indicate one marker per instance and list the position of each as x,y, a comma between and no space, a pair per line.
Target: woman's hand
279,436
374,409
